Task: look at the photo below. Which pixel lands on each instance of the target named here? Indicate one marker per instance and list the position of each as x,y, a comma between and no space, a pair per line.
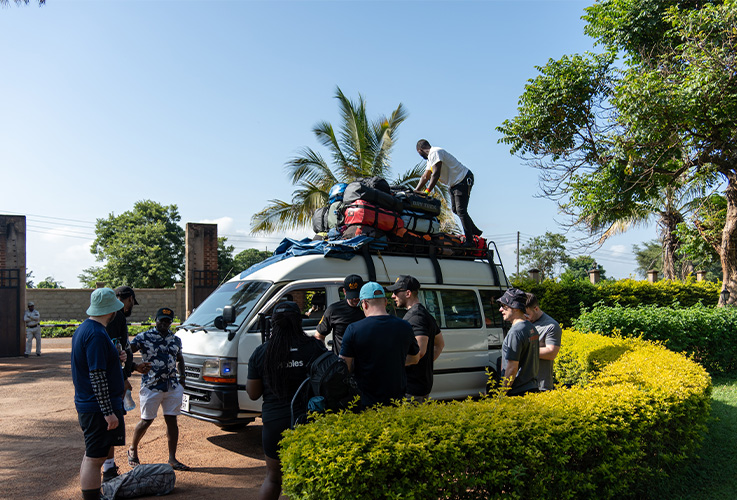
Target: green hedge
708,334
641,412
564,301
68,331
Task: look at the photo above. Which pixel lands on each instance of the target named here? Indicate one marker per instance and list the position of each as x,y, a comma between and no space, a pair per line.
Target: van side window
460,308
311,301
491,308
432,304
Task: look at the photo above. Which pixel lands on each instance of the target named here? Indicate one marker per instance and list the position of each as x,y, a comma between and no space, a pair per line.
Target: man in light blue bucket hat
98,388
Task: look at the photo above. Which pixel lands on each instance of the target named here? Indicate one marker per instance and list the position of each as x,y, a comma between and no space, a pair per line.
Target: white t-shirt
452,171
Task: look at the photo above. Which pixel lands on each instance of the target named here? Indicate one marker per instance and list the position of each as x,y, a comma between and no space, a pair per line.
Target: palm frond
310,166
326,136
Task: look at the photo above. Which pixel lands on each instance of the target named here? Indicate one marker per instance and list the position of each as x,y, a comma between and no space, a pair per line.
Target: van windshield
242,295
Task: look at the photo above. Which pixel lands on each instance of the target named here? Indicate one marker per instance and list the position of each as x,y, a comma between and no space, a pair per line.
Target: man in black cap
117,328
162,386
520,349
340,314
427,333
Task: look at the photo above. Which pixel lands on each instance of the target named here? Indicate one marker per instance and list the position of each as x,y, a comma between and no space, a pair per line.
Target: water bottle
128,402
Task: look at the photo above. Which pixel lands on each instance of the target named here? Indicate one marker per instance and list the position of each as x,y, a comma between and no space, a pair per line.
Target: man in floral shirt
163,385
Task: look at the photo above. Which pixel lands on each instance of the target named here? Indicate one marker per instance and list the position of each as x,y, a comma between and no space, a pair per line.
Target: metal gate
10,311
205,282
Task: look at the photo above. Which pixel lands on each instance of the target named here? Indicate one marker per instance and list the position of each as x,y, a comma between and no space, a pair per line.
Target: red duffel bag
366,214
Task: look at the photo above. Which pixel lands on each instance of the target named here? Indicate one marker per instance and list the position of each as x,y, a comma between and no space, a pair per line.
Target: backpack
336,192
144,480
479,246
320,220
414,202
420,223
329,385
374,191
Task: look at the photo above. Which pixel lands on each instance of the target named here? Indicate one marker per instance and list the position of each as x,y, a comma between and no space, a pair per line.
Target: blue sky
200,104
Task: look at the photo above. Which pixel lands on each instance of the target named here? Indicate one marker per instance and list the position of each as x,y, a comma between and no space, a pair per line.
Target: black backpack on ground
328,386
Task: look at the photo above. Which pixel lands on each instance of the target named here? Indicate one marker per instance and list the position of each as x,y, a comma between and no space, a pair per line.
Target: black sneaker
109,474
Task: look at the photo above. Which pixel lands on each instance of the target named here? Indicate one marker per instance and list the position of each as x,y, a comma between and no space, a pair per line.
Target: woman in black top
275,371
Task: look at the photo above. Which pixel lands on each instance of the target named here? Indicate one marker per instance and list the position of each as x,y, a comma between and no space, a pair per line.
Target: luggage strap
369,262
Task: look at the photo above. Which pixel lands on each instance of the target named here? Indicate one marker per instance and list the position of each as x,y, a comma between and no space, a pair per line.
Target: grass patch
712,475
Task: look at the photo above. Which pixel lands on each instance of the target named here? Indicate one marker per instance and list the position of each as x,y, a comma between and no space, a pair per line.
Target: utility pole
517,253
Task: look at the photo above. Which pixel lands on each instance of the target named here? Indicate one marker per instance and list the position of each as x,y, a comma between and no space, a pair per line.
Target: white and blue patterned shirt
161,352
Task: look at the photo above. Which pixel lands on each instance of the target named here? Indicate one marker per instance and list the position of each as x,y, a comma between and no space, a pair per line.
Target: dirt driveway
41,444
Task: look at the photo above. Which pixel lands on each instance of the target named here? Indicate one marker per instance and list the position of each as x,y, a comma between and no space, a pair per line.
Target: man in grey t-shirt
550,340
520,351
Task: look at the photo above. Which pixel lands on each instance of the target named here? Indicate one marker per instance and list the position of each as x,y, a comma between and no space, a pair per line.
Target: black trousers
460,194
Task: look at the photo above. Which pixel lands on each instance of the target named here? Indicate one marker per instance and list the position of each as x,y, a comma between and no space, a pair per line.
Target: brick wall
63,304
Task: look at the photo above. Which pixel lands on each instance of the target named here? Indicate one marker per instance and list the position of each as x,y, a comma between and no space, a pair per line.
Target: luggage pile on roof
407,221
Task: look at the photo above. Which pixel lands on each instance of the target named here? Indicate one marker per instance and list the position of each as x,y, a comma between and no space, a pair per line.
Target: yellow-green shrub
641,412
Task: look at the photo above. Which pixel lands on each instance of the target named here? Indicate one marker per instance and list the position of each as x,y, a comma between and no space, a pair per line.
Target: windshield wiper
193,327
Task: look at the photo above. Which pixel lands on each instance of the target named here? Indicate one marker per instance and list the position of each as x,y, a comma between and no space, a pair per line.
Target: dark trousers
460,194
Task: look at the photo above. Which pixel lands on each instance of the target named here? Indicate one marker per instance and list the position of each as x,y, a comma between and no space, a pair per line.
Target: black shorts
97,439
271,435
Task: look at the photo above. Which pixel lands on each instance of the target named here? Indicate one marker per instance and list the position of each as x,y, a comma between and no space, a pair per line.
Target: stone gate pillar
200,263
12,284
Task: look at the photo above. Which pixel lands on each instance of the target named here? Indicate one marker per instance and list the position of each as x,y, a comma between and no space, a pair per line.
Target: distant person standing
377,348
162,386
443,167
427,333
32,319
550,341
98,388
340,314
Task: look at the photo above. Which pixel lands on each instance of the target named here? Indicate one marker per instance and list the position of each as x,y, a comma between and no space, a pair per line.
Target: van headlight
219,370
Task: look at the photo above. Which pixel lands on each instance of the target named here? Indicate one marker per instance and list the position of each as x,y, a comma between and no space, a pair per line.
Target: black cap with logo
165,312
352,286
405,282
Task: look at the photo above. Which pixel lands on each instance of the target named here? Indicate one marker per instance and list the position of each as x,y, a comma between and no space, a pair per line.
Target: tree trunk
728,248
668,222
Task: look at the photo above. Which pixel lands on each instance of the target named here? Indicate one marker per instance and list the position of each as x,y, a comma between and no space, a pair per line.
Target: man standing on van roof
377,348
442,166
520,349
340,314
550,339
427,333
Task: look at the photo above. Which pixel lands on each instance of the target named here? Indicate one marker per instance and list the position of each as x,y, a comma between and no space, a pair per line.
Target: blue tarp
339,249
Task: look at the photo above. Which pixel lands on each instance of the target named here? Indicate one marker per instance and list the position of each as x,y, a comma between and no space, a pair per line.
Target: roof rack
435,254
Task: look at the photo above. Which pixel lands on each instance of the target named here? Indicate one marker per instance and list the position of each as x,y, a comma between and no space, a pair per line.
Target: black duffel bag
374,190
413,202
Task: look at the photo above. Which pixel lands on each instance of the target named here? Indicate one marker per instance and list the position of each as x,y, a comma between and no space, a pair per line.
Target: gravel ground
41,444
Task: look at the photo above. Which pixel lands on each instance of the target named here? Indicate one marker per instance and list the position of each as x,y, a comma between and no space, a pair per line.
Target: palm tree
361,148
4,3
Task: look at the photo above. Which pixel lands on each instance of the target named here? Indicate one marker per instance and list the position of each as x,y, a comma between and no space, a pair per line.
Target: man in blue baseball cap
377,348
98,388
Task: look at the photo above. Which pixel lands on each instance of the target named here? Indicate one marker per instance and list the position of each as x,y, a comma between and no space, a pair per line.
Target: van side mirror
229,315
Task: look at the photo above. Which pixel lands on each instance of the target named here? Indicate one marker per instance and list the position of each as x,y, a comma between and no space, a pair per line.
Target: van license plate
185,402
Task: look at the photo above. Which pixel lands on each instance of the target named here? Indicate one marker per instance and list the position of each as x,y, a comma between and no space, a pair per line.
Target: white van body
458,292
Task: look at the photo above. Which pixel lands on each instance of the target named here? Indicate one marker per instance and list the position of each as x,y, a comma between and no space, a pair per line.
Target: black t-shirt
419,376
379,346
337,317
118,329
302,355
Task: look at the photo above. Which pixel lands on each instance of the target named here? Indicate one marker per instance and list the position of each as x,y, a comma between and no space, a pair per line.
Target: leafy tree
577,268
225,259
545,253
655,111
361,148
29,279
3,3
50,282
648,257
142,248
229,266
249,257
